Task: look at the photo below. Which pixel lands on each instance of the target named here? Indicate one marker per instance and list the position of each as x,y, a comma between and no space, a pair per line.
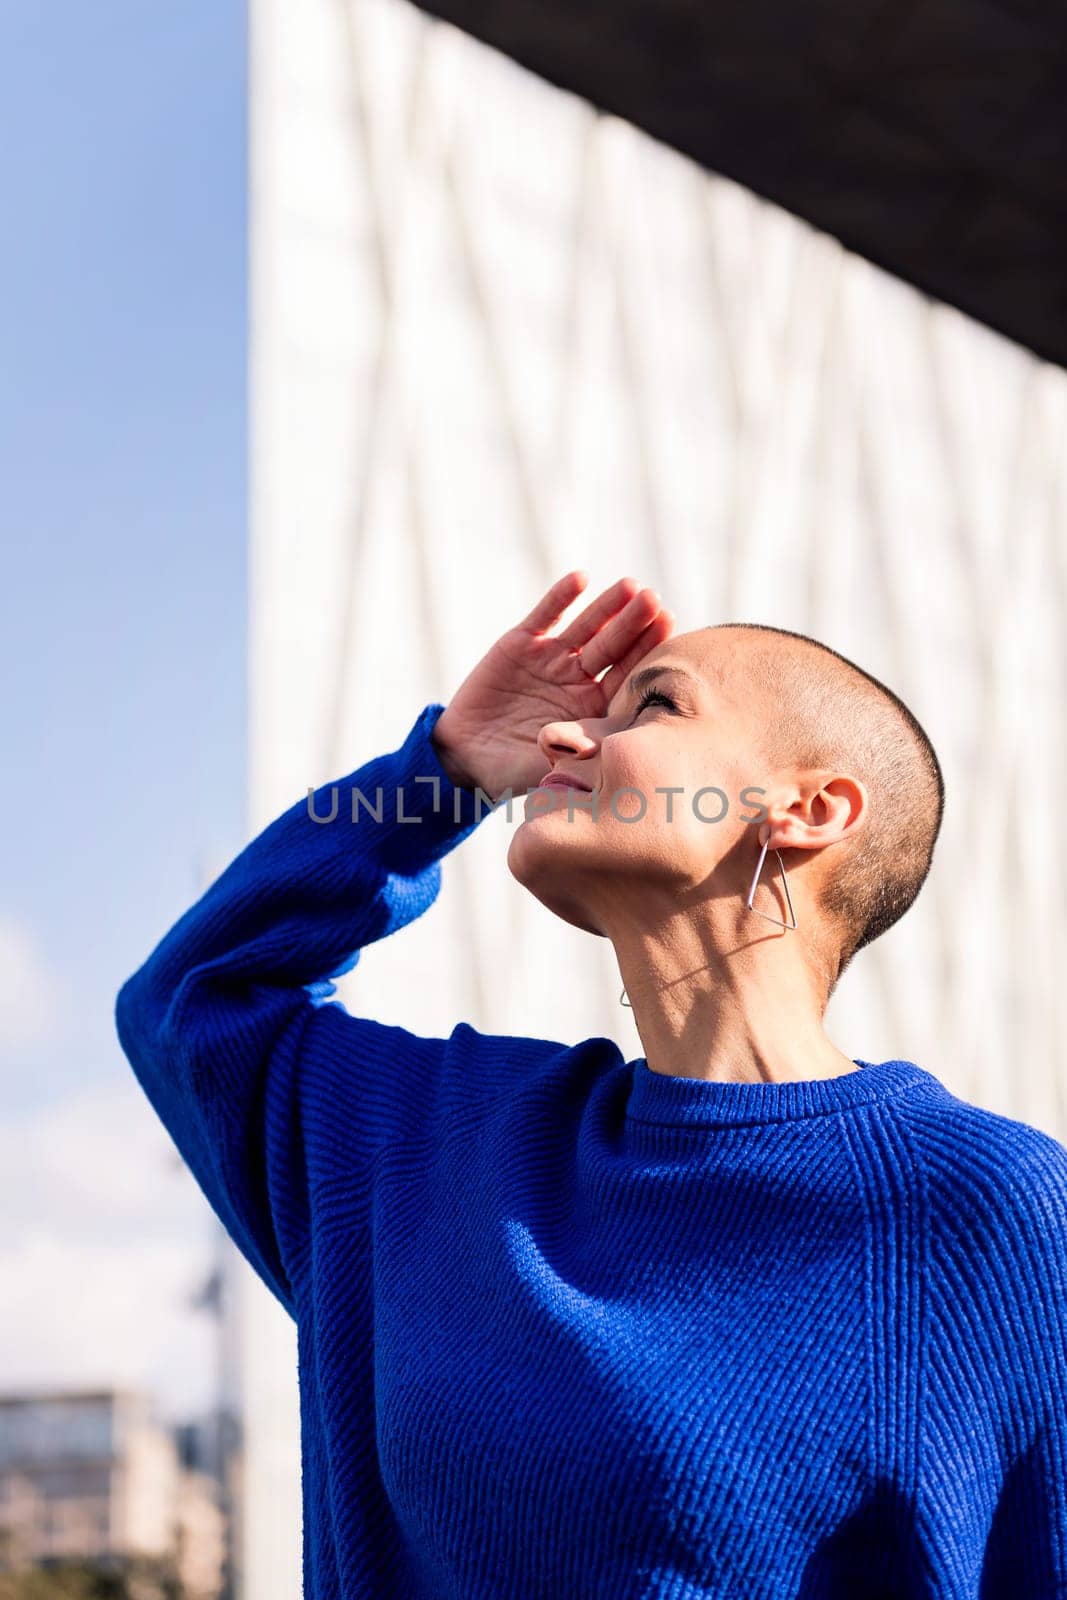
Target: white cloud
95,1315
103,1237
96,1164
30,997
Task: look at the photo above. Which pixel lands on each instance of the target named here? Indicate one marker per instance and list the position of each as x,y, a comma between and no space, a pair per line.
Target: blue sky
122,611
122,415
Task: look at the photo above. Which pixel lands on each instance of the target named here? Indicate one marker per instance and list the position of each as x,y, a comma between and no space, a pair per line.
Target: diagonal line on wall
385,384
627,318
532,513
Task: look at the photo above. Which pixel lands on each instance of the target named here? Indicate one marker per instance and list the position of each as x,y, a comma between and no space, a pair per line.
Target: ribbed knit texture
570,1328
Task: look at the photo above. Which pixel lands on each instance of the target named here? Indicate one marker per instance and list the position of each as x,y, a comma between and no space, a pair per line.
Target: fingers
658,630
615,638
603,608
548,610
616,631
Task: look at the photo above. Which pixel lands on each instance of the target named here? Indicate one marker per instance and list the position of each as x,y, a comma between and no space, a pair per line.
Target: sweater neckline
659,1097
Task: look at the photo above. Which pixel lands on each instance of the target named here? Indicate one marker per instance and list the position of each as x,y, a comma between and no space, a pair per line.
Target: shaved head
858,809
821,710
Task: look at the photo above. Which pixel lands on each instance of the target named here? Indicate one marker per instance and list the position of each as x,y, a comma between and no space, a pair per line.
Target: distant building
207,1444
94,1475
201,1537
210,1447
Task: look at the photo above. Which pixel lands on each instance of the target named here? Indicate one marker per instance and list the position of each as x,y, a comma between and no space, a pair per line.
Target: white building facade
495,336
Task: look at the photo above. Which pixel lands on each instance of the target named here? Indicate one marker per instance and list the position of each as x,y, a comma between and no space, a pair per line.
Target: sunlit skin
717,991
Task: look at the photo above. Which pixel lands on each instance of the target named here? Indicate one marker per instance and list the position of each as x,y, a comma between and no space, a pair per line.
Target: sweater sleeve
1026,1552
229,1025
1009,1323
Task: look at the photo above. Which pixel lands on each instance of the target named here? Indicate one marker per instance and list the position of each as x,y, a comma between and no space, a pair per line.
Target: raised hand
487,734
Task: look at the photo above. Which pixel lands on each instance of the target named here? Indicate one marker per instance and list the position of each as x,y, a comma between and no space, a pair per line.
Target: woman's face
685,726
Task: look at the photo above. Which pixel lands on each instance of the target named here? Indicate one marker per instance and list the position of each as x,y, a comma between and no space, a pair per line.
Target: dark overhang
930,138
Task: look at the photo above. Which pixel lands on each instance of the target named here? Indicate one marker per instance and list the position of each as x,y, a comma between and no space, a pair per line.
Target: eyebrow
648,675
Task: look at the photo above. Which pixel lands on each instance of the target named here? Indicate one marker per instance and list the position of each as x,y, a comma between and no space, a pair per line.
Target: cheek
648,759
657,822
656,763
695,825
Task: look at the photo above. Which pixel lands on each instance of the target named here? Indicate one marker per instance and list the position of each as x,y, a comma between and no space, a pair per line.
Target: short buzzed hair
828,712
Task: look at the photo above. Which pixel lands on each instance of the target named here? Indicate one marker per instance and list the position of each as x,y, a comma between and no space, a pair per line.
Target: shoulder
403,1075
992,1214
995,1190
519,1080
511,1061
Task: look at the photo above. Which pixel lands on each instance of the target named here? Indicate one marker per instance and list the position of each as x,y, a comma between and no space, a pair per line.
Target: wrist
450,756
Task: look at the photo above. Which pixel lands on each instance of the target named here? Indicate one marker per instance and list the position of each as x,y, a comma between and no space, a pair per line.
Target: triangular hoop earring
785,885
623,1001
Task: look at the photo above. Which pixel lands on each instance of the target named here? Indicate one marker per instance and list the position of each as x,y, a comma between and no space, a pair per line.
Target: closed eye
654,697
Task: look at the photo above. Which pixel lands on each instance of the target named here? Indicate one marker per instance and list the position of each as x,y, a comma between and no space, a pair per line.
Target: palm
530,678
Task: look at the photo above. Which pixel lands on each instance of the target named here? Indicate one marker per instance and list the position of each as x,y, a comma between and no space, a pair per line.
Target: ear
827,810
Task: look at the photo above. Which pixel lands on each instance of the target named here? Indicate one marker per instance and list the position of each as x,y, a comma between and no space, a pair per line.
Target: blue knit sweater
569,1328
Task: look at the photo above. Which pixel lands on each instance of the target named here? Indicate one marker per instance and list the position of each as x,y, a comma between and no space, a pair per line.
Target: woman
741,1318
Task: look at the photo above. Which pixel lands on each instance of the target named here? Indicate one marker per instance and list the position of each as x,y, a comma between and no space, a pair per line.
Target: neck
732,999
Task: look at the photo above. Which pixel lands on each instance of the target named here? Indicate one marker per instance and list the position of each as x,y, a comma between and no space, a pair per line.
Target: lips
564,780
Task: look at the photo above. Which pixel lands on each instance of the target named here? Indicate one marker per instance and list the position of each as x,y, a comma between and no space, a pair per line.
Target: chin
531,868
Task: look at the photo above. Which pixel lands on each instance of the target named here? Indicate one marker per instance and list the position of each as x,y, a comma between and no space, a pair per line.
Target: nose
565,738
